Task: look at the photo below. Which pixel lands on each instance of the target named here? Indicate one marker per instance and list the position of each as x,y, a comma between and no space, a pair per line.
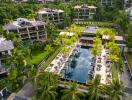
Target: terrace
87,36
24,27
5,51
103,67
59,62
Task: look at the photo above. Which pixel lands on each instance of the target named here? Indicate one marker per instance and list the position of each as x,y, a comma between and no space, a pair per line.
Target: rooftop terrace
84,6
90,30
23,22
50,11
5,45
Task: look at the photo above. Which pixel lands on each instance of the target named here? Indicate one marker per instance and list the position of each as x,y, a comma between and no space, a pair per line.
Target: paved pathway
125,77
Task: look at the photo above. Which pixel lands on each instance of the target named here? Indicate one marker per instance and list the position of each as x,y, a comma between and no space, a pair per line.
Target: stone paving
125,77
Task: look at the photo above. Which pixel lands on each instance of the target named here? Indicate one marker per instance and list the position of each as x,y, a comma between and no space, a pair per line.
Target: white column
9,52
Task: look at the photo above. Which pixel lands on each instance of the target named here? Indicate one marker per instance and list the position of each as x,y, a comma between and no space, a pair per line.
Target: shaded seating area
60,61
103,66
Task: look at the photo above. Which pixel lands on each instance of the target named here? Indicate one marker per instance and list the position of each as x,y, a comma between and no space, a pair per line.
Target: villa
119,40
54,15
87,36
128,2
84,12
70,34
27,29
19,1
106,2
129,10
6,46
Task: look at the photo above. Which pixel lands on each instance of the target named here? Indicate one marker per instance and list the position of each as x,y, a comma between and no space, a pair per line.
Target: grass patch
38,56
114,72
129,59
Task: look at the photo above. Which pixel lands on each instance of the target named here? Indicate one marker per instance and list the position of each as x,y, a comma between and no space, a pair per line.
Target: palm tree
96,50
115,90
122,18
95,89
46,92
65,50
46,85
48,48
72,93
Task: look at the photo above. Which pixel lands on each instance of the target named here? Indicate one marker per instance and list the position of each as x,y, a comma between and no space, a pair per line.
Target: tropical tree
46,92
48,48
122,18
72,92
114,51
115,90
97,45
129,39
65,50
96,90
57,41
46,85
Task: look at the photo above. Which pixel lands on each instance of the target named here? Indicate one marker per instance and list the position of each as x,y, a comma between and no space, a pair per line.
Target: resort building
106,2
70,34
54,15
6,46
27,29
128,2
129,10
119,40
84,12
87,36
20,1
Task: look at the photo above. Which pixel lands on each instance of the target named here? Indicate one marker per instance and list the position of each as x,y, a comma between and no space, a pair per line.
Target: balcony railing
23,31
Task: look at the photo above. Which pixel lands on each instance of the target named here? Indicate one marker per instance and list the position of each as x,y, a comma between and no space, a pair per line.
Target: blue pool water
79,66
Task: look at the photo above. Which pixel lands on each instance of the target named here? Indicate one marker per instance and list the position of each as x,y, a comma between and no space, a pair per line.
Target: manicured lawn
38,56
114,72
129,59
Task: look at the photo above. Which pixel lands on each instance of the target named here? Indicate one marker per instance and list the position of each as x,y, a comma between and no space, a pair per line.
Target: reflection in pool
79,68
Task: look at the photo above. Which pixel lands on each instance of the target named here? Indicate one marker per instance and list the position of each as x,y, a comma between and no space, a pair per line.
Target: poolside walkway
59,62
103,67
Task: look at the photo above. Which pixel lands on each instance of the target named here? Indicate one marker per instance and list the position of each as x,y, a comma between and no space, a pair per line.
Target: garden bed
90,23
114,73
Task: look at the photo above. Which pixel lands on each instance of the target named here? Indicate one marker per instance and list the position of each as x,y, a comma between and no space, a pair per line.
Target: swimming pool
78,67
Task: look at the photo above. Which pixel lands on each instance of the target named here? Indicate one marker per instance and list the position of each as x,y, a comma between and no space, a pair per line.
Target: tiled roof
17,24
50,11
5,45
85,6
90,30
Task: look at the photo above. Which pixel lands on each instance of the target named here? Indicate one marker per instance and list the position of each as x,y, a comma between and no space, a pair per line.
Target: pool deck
59,62
103,69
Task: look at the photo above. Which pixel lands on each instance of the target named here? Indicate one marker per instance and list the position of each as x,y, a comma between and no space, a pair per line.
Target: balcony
23,36
33,34
3,56
23,30
43,37
55,14
33,38
32,29
41,33
14,31
44,15
2,71
41,27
